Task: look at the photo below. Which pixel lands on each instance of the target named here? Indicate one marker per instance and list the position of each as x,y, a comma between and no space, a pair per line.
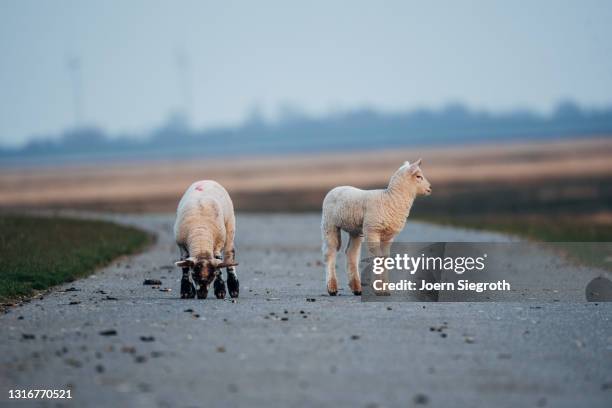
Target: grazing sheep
378,214
205,226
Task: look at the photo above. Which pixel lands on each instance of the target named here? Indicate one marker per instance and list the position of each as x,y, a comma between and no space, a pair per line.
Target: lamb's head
412,176
204,269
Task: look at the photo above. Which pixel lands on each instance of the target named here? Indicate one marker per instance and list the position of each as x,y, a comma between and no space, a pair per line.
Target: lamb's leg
219,286
376,249
233,286
353,250
385,250
218,283
187,289
331,245
385,247
372,240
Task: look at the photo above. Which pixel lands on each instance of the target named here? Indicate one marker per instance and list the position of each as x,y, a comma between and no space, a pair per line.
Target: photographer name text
461,285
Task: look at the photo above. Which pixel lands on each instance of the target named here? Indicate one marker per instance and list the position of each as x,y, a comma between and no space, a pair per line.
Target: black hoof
202,292
233,286
188,291
332,293
219,288
357,292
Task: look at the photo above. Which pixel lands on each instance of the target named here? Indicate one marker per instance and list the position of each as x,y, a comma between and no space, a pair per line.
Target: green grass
538,228
37,253
548,229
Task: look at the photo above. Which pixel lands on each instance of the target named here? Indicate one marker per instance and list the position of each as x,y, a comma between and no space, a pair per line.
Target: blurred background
121,105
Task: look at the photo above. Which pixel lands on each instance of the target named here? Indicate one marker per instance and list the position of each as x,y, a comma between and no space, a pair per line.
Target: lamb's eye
419,177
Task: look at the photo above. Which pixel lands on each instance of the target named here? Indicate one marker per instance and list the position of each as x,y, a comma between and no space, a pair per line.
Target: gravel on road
116,342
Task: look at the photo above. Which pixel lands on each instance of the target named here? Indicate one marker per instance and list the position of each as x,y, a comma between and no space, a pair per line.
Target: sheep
205,226
378,214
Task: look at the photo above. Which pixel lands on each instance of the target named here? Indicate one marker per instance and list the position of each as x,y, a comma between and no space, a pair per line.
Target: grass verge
38,252
547,229
539,228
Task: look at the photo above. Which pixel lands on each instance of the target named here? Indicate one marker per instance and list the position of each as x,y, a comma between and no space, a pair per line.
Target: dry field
575,173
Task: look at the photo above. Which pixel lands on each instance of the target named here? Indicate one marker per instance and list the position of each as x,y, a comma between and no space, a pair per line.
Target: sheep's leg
233,285
187,289
353,250
219,286
385,247
331,245
376,248
372,240
385,250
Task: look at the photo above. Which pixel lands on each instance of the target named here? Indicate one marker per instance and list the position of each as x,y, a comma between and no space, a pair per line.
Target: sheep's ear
414,167
217,264
227,265
185,263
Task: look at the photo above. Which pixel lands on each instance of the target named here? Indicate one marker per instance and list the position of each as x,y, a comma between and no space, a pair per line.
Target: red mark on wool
199,187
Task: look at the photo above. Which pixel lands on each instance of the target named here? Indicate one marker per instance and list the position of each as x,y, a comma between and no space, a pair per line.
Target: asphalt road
277,347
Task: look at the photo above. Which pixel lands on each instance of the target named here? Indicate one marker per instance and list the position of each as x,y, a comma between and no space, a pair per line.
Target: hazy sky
319,55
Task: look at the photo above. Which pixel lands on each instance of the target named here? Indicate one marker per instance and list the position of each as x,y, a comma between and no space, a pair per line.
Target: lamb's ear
219,264
414,167
185,263
227,264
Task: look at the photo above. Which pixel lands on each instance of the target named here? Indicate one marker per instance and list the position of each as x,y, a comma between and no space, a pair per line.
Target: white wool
205,222
377,215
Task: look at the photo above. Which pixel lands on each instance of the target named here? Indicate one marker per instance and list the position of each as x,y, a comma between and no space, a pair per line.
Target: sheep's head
204,269
414,174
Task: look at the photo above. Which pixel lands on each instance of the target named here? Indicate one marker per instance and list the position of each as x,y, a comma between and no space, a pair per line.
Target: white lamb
204,228
378,214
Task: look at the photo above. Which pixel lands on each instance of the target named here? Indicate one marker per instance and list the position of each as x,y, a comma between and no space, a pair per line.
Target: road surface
275,346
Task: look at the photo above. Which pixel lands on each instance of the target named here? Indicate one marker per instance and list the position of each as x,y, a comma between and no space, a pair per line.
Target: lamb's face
414,174
204,271
422,184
